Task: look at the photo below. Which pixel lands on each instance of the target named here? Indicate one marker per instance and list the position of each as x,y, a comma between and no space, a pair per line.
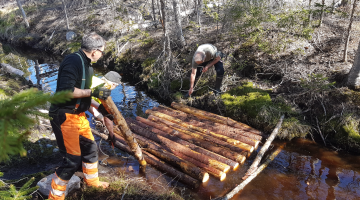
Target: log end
241,159
142,162
222,176
256,144
206,177
226,169
251,149
235,167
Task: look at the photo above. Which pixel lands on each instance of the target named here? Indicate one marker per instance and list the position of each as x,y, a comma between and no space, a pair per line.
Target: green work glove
100,92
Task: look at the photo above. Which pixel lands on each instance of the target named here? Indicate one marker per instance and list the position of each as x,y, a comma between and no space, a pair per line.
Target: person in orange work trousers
71,127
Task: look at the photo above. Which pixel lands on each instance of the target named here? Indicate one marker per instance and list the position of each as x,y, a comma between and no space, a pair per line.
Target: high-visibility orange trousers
77,145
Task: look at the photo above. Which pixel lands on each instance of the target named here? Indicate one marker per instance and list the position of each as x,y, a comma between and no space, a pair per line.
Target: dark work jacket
69,77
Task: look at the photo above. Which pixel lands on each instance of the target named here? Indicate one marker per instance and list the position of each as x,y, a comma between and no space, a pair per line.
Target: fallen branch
252,176
261,153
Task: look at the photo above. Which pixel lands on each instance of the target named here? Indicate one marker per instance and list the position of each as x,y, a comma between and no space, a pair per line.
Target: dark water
303,170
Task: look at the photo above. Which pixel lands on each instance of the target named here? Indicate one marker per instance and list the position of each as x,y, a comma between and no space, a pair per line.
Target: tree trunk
310,14
156,127
203,131
322,13
186,166
199,135
354,74
23,14
153,11
217,128
152,160
349,30
261,153
173,146
179,32
125,131
67,19
198,11
215,118
234,165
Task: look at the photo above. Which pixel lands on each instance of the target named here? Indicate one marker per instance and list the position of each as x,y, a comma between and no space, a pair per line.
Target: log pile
195,142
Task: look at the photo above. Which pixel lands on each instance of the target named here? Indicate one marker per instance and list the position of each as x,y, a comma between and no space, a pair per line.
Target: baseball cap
113,77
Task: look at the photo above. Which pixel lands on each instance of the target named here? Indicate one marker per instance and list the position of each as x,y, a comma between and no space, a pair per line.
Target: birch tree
23,14
179,32
198,7
322,13
354,74
310,13
153,12
349,30
67,19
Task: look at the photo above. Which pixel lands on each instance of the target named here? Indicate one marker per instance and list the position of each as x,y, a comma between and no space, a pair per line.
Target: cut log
220,129
215,172
155,162
215,118
262,151
234,165
198,135
186,166
203,131
125,131
155,127
251,177
173,146
228,130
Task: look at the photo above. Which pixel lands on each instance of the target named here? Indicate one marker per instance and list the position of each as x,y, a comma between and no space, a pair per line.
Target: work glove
100,92
104,112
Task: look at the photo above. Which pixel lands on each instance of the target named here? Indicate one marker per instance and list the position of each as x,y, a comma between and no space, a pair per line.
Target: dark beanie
113,77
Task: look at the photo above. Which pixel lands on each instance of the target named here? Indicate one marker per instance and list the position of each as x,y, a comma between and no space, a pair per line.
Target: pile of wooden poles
190,143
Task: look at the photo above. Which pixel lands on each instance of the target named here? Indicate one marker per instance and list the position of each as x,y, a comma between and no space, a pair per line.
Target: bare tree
310,13
349,30
354,74
153,12
67,19
322,13
198,7
23,13
179,32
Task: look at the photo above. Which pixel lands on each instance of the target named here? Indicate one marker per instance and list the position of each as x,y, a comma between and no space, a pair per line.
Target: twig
319,130
261,153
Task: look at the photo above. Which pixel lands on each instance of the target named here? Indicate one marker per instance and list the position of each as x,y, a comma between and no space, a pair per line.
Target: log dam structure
190,144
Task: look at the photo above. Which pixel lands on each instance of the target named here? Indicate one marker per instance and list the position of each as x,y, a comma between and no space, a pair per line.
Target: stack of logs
196,142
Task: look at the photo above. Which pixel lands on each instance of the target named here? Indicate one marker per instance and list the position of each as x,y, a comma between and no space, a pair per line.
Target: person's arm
217,59
192,80
79,93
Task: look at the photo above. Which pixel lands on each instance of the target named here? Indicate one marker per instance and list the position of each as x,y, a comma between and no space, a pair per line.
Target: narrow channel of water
303,170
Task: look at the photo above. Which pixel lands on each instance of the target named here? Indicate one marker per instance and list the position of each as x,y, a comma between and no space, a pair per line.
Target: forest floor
287,78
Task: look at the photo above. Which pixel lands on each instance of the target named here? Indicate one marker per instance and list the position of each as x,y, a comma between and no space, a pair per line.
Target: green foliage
23,193
316,82
74,46
256,106
17,117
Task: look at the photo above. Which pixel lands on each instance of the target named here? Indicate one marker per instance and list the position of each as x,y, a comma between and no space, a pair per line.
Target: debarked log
173,146
232,130
234,165
220,129
215,172
198,135
125,131
240,158
168,157
203,131
155,162
215,118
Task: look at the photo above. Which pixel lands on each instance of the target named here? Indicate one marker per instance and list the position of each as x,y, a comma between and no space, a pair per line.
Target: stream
303,170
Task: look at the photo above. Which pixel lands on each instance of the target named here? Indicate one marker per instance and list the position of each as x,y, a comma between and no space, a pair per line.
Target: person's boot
218,83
